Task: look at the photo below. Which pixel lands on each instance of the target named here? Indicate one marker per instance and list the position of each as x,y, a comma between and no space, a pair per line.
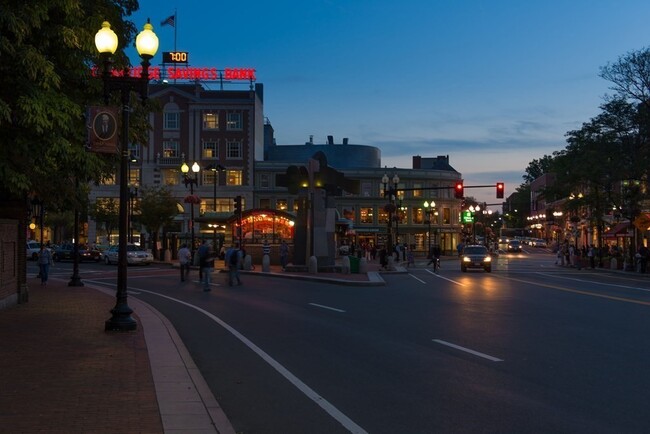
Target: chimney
345,140
417,162
330,140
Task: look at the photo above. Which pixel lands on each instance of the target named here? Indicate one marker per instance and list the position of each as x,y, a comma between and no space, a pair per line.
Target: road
530,347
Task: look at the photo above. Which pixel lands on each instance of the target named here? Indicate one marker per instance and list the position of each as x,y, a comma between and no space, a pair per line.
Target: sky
492,84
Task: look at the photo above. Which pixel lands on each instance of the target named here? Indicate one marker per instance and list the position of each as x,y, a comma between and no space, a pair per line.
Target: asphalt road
530,347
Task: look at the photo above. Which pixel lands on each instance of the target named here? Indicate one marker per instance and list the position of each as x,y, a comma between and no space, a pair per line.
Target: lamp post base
75,280
121,321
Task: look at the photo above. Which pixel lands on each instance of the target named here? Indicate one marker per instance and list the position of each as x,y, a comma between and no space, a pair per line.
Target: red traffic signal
500,190
459,190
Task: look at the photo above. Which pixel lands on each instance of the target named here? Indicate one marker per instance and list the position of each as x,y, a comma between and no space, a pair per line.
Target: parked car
66,252
134,255
475,256
33,249
514,246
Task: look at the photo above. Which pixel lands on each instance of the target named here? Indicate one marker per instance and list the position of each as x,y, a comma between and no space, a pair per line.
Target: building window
210,121
383,216
209,150
416,189
134,150
172,121
233,177
367,215
265,181
208,177
281,204
171,176
234,122
170,149
366,189
265,203
446,216
134,176
418,215
233,149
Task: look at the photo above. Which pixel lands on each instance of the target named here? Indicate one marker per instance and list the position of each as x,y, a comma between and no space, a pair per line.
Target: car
33,249
66,252
475,256
514,246
538,242
134,255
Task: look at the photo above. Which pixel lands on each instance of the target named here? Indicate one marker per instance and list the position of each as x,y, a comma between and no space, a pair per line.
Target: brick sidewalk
62,373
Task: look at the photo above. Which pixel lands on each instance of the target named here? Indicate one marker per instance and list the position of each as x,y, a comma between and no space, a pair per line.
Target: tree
158,207
47,47
106,214
630,76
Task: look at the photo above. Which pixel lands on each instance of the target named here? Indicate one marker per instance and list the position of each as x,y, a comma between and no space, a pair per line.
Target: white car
33,249
134,255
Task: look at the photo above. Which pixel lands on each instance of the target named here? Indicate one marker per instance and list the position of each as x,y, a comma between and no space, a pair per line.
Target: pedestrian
284,254
234,260
383,258
44,262
206,263
591,254
643,258
184,259
410,258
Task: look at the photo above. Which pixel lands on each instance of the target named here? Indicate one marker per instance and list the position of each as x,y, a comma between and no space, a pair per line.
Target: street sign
467,217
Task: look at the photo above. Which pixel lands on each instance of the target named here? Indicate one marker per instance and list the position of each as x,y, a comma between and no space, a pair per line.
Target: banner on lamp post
102,129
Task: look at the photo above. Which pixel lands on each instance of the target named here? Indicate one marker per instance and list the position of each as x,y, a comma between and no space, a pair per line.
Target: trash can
354,264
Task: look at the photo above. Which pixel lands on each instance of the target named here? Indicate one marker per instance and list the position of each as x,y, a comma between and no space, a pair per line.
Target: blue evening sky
493,84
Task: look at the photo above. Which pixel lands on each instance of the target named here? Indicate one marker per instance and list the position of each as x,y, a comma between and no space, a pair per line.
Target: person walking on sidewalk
44,262
233,259
206,262
284,254
184,259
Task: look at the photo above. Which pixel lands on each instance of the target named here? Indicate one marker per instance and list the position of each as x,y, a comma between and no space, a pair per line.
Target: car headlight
467,259
488,259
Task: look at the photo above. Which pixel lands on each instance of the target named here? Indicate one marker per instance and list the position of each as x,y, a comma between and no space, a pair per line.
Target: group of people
233,259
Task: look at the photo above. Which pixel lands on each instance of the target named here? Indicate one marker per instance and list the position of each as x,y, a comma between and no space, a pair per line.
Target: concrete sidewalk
62,373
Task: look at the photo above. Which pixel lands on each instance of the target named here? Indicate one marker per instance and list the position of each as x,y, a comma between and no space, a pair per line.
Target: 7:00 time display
175,56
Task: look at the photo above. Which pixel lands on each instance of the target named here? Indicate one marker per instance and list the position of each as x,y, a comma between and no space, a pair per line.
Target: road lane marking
330,409
445,278
327,307
467,350
576,291
417,278
556,276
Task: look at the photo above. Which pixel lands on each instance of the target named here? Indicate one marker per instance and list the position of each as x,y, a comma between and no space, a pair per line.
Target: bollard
313,265
266,263
363,265
168,255
248,263
345,265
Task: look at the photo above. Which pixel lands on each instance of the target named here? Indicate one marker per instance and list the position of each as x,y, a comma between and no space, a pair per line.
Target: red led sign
186,73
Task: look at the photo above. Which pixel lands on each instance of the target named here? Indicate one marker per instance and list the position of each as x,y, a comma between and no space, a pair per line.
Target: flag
171,21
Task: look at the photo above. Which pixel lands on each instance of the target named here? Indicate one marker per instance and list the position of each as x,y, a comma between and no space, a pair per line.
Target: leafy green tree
158,207
47,49
106,214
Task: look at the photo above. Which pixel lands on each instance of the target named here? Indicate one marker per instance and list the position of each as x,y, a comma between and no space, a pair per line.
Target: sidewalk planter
354,264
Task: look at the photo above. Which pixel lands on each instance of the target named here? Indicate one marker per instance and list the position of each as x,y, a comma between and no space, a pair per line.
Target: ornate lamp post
390,191
215,169
191,181
474,209
429,208
147,45
133,194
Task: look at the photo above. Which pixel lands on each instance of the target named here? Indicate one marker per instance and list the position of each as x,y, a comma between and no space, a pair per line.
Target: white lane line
306,390
326,307
467,350
417,278
592,281
445,278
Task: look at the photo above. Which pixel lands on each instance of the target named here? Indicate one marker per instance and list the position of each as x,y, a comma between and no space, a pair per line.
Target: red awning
620,230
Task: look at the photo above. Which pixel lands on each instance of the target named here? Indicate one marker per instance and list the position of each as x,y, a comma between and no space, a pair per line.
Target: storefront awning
620,230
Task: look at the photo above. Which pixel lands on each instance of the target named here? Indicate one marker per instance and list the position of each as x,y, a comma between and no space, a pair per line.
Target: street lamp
429,208
191,181
474,209
215,169
391,193
147,44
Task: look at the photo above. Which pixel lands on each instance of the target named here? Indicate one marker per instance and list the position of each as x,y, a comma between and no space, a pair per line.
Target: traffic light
459,190
500,190
238,208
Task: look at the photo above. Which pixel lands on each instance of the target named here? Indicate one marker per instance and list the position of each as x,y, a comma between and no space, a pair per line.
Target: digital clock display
175,56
